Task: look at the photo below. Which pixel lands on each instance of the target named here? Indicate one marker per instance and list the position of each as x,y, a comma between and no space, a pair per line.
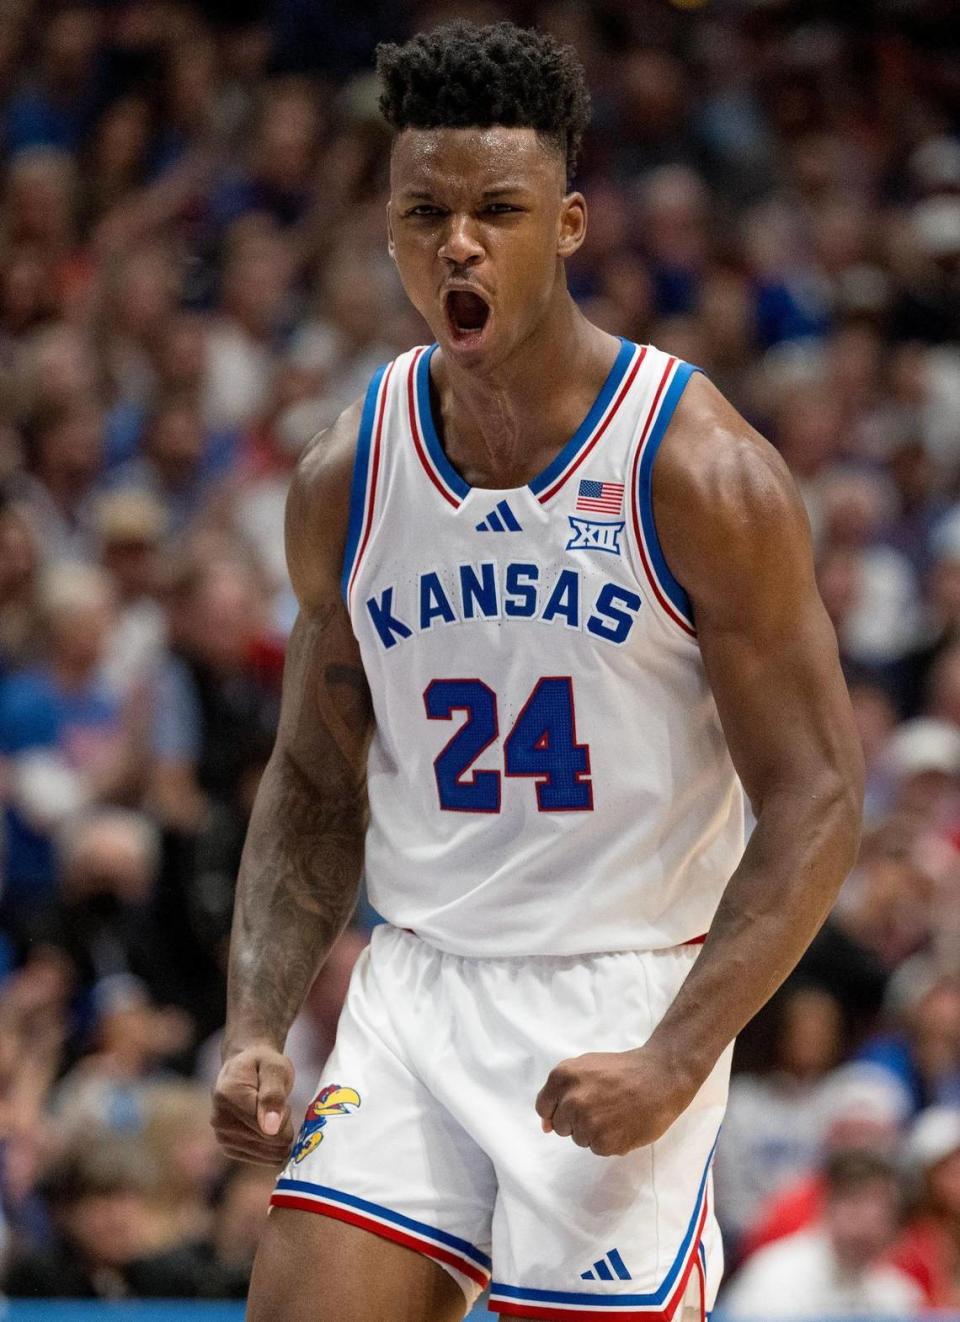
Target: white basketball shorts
424,1132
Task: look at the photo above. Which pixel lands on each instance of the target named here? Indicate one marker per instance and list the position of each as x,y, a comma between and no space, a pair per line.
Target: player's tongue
467,312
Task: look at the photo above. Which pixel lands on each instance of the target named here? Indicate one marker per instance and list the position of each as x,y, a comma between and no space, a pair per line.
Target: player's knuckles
232,1114
605,1147
264,1149
563,1121
235,1093
562,1077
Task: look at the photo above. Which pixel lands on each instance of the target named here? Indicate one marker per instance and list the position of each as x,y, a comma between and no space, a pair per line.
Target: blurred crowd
193,282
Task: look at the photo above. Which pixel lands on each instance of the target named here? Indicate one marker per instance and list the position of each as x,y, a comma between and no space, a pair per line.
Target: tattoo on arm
304,850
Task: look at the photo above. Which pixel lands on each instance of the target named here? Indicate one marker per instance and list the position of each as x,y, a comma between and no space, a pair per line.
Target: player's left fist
613,1101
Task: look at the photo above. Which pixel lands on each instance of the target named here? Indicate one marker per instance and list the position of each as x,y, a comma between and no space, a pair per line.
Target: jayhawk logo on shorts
332,1100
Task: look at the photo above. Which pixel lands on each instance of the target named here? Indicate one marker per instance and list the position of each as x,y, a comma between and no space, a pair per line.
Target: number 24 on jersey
542,745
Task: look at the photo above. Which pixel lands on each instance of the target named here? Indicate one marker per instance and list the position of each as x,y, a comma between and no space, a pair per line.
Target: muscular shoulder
725,504
318,509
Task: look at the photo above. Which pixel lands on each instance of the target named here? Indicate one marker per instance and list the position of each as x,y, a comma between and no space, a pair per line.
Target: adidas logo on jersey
609,1268
501,519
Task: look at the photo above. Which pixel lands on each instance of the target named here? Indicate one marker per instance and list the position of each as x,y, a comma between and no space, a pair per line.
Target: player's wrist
239,1038
682,1067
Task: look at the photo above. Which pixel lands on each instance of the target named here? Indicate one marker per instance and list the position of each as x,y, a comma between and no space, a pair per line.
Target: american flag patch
600,497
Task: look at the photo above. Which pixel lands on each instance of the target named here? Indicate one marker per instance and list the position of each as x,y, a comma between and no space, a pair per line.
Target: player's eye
500,208
424,209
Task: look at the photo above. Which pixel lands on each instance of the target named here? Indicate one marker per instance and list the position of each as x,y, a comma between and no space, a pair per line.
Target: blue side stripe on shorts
361,1205
619,1300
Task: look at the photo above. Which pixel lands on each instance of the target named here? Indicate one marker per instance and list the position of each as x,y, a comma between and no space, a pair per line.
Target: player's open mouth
467,316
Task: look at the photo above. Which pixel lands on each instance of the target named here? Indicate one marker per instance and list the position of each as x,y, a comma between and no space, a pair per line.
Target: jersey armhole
363,482
670,594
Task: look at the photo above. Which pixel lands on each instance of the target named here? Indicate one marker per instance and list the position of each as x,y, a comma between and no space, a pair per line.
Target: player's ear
391,247
573,224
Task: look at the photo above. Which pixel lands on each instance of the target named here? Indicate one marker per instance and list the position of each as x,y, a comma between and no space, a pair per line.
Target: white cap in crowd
863,1093
922,745
935,1136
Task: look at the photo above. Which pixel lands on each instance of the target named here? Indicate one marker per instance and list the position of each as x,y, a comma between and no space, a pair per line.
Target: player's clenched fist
612,1101
251,1117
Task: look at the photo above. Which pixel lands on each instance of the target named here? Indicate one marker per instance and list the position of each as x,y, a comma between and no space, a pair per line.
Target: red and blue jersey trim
659,1306
383,1221
614,390
436,465
366,473
669,593
545,486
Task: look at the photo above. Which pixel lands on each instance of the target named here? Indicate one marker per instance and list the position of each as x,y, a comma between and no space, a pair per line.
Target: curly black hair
462,75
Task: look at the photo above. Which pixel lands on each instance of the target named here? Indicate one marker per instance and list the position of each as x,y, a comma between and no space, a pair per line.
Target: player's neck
501,428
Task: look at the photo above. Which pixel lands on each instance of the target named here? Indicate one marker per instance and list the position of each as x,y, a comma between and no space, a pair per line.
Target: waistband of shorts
693,941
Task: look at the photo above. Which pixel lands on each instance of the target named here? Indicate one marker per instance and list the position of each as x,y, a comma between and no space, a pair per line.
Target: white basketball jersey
548,774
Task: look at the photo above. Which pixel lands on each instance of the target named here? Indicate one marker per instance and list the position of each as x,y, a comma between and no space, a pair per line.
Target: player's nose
461,245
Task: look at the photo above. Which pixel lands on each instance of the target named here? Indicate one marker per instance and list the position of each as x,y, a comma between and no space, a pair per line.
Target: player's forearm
802,848
296,890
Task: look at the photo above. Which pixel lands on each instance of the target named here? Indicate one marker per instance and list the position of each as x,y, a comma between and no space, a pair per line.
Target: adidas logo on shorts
609,1268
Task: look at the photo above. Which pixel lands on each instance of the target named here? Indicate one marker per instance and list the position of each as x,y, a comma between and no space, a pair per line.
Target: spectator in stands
240,1213
343,346
178,464
883,623
66,734
773,1121
283,158
257,278
921,1050
887,902
40,212
214,703
19,614
838,1270
129,1045
139,300
56,108
108,860
130,528
929,1248
179,1139
55,372
57,497
860,1109
107,1232
118,157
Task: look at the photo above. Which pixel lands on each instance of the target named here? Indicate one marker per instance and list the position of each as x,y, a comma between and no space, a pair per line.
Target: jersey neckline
545,482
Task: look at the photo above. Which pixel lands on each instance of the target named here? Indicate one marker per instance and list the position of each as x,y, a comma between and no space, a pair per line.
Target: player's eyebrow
503,190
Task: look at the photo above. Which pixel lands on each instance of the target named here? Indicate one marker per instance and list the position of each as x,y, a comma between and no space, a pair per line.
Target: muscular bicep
326,715
770,654
738,539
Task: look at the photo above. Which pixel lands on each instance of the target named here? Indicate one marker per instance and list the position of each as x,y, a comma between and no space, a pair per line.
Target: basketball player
556,605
